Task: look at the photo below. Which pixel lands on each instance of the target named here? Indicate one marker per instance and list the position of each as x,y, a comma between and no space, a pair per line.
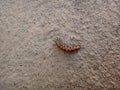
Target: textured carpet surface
30,60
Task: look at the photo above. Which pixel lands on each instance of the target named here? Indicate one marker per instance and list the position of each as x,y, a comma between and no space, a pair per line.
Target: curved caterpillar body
66,48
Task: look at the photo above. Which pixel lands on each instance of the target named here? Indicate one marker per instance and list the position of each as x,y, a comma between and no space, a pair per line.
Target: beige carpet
30,60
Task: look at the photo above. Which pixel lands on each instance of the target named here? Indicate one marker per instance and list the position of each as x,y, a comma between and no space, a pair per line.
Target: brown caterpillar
66,48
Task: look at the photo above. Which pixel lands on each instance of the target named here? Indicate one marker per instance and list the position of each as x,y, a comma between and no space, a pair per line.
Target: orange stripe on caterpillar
66,48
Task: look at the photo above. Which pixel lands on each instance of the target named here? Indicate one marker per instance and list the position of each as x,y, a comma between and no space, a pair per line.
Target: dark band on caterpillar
66,48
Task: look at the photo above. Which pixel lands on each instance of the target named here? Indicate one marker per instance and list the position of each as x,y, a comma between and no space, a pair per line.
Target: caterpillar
66,48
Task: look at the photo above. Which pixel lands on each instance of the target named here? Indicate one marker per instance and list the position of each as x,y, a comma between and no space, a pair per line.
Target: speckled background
30,60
